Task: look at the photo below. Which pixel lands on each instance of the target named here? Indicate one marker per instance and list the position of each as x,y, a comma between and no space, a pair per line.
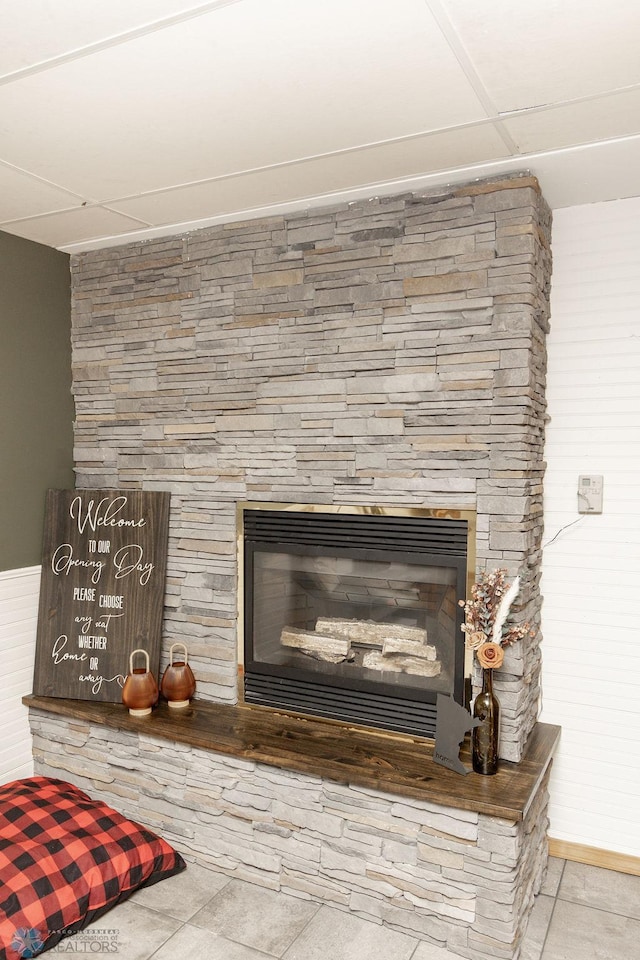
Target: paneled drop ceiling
137,118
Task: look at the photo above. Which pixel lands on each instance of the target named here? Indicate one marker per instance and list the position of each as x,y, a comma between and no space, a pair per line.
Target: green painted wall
36,406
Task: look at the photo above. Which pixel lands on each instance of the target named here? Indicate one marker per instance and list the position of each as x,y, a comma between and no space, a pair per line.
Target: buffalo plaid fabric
64,860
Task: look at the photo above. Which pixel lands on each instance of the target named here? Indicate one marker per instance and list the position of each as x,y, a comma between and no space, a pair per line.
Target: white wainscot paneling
19,590
591,648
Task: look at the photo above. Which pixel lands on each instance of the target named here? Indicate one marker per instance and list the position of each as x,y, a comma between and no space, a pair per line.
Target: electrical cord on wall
561,530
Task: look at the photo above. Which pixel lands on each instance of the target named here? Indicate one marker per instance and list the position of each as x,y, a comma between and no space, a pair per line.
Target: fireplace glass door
350,621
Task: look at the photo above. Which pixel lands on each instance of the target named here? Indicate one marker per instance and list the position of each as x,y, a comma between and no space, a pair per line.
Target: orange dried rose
490,656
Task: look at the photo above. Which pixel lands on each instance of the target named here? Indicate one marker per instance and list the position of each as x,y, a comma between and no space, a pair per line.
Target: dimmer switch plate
590,493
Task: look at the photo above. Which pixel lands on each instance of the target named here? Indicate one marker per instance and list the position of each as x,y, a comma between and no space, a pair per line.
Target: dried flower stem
487,610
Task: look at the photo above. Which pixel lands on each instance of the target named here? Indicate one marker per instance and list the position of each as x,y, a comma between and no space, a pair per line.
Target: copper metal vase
140,691
178,683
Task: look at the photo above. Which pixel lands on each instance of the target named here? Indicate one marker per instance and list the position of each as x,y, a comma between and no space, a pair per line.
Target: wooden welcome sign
102,590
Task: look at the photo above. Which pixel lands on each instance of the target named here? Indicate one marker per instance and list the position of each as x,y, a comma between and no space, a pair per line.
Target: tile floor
582,913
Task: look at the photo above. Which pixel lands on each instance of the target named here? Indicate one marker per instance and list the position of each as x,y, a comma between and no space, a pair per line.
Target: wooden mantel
395,763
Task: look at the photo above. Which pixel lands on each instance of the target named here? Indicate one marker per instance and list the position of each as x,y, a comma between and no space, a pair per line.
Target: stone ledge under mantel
395,763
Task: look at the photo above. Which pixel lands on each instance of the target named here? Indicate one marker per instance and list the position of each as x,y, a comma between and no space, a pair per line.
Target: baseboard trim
608,859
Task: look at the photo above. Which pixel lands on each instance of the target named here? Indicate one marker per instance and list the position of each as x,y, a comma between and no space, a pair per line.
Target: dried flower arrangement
486,613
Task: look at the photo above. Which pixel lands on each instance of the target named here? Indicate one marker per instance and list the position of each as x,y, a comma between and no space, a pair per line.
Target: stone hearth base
460,879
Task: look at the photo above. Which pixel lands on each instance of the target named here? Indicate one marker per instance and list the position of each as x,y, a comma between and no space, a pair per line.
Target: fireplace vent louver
322,700
409,534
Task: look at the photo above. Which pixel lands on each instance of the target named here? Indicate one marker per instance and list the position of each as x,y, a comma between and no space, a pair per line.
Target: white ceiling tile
23,196
600,172
247,106
60,229
609,117
39,30
250,85
542,51
327,175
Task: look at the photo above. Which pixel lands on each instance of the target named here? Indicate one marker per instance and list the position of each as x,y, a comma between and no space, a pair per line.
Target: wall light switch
590,493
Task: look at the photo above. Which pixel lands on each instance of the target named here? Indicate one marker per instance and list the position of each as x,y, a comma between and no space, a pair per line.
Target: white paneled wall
19,591
591,570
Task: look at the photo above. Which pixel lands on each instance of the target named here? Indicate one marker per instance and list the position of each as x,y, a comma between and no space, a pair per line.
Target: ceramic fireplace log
373,660
321,646
367,631
412,648
380,646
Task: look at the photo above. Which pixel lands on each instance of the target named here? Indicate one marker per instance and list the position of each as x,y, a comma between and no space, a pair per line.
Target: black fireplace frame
444,537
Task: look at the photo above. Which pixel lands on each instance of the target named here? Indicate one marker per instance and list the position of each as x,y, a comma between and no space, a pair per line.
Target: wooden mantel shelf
397,764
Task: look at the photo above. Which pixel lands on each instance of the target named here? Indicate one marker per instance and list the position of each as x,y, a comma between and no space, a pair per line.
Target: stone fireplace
387,353
354,614
381,356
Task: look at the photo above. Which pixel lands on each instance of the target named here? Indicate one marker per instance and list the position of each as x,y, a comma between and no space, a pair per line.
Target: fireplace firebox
352,613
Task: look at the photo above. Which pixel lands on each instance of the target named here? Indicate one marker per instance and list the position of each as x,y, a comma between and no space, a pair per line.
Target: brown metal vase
178,683
140,691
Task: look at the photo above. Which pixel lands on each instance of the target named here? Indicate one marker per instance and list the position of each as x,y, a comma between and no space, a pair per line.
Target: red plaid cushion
66,859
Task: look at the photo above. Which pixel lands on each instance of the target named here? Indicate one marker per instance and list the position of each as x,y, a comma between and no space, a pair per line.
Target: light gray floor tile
537,928
333,935
555,866
190,943
603,889
256,917
582,933
137,933
183,895
429,951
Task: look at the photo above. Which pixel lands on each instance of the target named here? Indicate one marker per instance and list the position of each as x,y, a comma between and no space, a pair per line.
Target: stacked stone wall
386,352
